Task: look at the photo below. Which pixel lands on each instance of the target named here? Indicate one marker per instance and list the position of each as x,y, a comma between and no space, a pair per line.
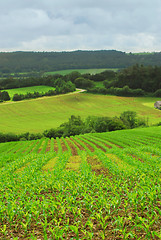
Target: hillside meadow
82,71
25,90
36,115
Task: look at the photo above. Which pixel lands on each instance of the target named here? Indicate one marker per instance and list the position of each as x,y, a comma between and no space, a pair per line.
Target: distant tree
68,87
51,133
116,124
4,96
129,118
18,97
105,75
157,93
72,76
83,83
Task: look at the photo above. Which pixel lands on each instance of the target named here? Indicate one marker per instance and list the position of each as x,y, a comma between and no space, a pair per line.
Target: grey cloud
128,25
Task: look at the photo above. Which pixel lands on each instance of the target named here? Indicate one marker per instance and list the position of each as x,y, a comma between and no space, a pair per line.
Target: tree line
76,125
15,62
137,80
60,86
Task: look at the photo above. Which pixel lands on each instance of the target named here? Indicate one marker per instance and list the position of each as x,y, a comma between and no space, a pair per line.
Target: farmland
25,90
92,186
82,71
36,115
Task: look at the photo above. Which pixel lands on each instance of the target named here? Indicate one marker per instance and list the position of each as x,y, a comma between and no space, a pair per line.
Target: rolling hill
36,115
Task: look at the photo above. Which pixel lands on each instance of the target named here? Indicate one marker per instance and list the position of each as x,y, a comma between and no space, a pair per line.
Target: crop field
37,115
82,71
25,90
94,186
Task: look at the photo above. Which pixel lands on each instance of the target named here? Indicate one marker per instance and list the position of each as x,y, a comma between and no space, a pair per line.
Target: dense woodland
15,62
137,80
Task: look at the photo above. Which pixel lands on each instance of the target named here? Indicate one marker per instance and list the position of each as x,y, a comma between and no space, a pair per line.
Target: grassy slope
82,71
39,114
29,90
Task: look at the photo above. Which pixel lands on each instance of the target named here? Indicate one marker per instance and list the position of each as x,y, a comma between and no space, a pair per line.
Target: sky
67,25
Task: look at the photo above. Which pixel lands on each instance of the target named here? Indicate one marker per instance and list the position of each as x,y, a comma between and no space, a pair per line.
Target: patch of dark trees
76,125
4,96
15,62
137,80
60,85
59,90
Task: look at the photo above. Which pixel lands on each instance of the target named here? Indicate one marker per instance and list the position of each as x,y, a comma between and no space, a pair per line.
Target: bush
83,83
18,97
51,133
116,124
34,136
126,91
157,93
4,96
131,120
8,137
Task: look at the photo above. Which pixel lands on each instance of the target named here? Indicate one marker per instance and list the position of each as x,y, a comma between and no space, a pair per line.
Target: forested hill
50,61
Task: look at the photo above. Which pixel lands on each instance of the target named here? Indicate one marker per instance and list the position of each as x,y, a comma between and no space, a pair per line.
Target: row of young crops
94,186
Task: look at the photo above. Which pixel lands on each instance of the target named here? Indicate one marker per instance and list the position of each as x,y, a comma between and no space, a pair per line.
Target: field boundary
78,90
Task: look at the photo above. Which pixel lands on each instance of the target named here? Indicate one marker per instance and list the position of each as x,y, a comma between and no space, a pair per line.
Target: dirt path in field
45,97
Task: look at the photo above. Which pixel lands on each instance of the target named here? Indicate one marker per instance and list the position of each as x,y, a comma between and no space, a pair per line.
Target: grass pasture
25,90
36,115
82,71
95,186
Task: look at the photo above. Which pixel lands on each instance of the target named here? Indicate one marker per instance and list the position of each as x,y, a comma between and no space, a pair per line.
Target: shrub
18,97
83,83
4,96
157,93
116,124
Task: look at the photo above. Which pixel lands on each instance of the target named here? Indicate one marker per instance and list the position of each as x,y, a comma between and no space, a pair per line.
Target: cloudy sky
62,25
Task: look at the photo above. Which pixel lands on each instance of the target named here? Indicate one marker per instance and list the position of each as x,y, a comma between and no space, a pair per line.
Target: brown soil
72,147
98,146
34,147
87,145
64,148
78,145
137,158
48,146
108,146
82,215
27,148
55,146
97,166
39,150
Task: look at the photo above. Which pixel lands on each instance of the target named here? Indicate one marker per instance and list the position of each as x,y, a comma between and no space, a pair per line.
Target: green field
25,90
82,71
36,115
95,186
